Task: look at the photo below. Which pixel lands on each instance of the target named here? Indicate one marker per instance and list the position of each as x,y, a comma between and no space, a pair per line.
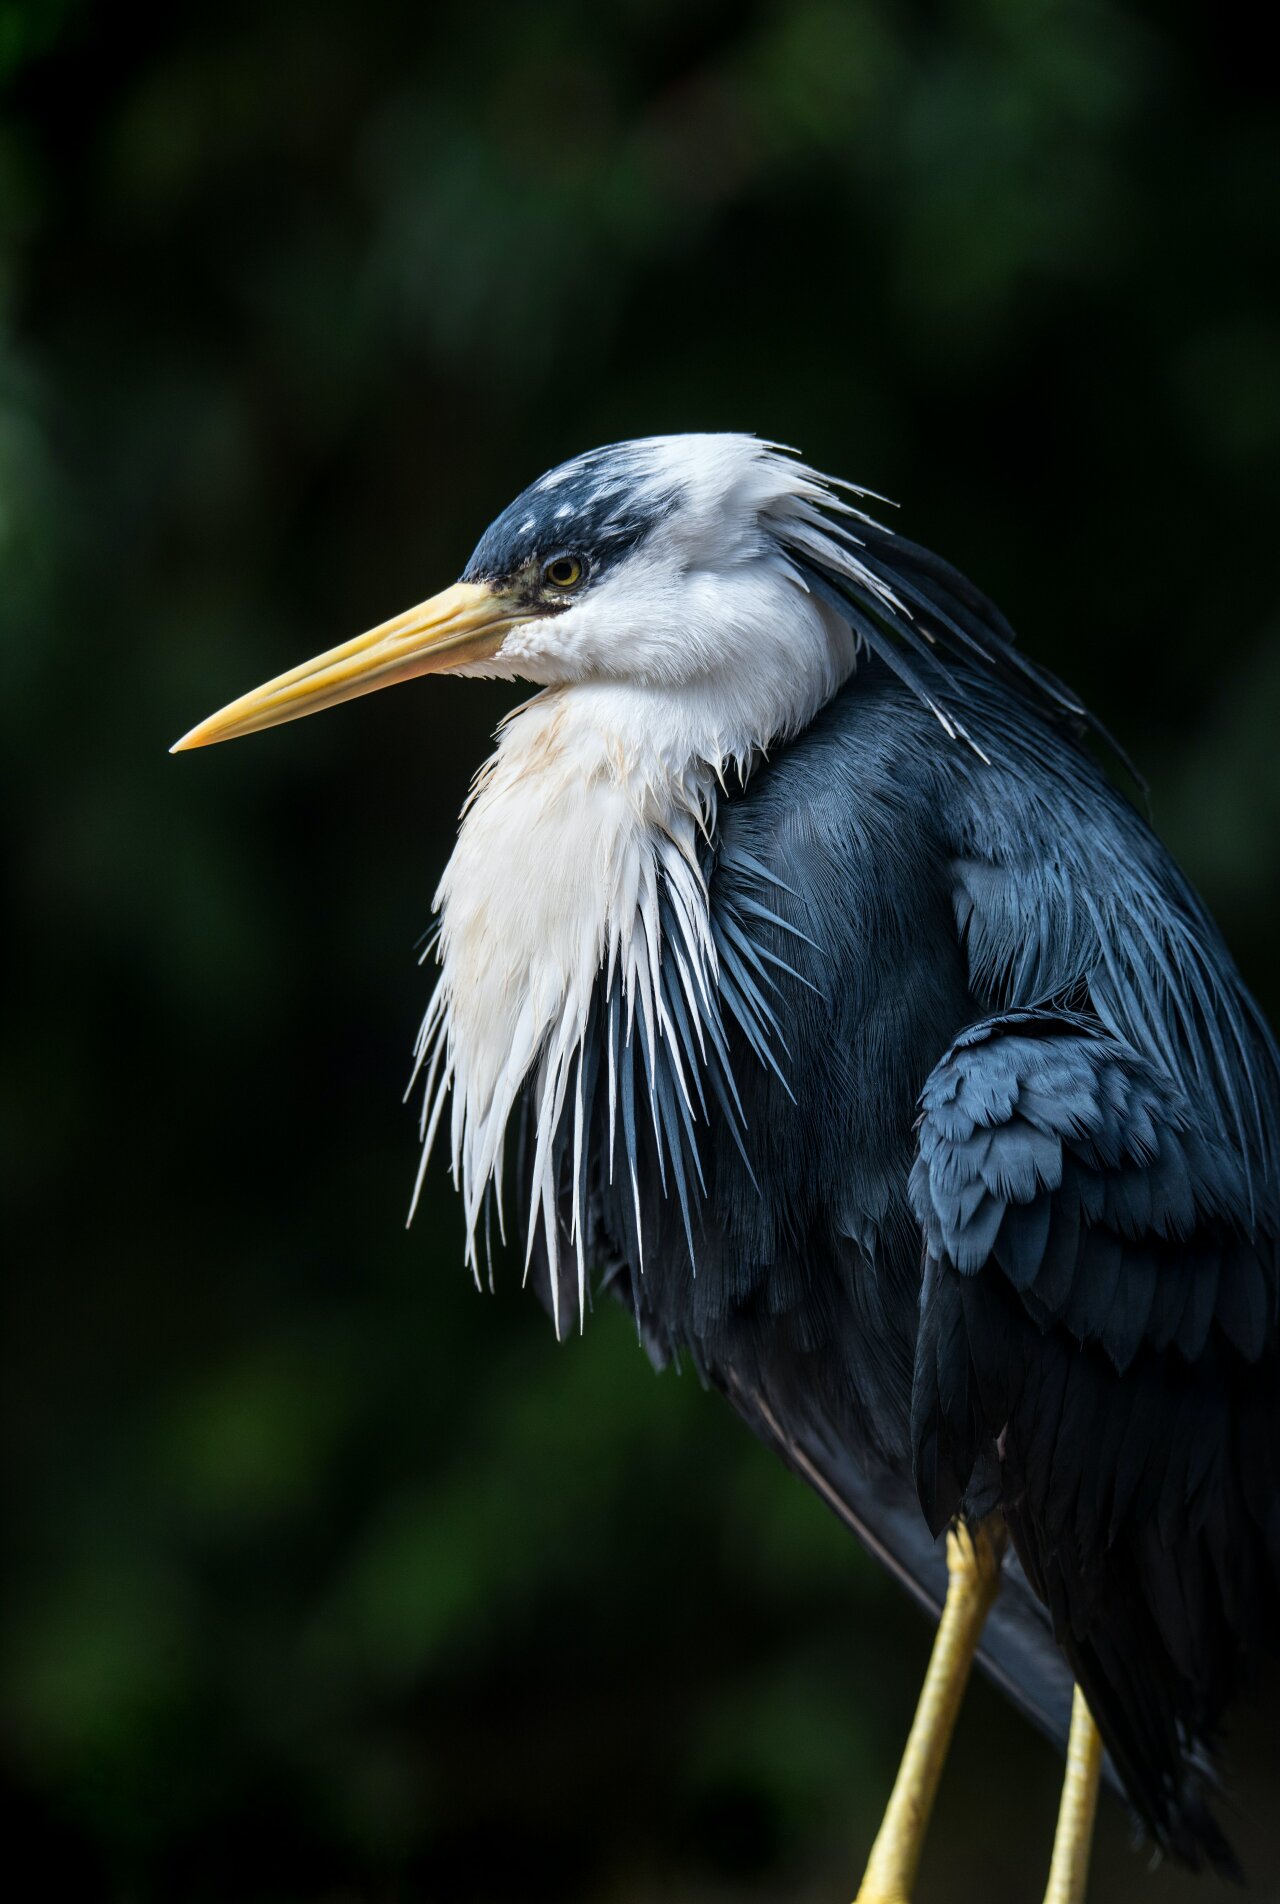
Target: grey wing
1098,1321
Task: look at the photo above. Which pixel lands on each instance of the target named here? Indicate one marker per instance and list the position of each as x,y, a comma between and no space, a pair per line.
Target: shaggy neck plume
579,842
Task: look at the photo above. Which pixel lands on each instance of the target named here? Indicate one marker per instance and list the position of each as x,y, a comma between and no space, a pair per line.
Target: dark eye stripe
599,507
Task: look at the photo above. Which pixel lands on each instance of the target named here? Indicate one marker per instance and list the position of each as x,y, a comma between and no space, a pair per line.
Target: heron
808,981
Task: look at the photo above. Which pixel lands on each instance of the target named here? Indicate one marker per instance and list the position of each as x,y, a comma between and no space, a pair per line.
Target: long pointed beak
461,625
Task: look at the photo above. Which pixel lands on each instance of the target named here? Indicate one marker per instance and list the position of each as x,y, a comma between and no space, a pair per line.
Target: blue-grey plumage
965,994
851,1026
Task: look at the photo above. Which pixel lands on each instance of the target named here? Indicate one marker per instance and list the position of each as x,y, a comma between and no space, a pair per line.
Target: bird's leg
973,1579
1069,1868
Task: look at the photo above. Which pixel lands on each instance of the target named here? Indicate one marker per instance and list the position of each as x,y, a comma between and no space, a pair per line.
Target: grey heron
805,983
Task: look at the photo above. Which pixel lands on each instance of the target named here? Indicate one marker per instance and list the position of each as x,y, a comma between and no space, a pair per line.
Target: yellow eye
563,571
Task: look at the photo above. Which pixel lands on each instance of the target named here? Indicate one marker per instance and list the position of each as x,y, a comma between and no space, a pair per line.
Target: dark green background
331,1579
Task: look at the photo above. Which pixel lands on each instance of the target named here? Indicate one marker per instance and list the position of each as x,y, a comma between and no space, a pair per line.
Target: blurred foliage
331,1579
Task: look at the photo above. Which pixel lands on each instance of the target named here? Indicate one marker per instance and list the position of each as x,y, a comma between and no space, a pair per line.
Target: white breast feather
566,838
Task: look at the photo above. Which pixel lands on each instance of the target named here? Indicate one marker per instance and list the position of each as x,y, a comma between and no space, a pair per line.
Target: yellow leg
973,1571
1069,1870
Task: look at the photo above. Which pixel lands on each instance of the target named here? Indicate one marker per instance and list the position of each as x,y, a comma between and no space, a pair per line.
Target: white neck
593,801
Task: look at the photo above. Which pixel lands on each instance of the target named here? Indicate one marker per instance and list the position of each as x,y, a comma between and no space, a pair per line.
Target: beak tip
199,736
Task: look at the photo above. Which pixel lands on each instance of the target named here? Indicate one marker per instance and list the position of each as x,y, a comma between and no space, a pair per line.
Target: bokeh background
329,1578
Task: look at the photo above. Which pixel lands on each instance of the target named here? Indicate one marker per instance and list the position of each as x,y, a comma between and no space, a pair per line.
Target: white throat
593,803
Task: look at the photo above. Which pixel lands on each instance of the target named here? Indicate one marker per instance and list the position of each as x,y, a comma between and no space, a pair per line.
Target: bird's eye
563,571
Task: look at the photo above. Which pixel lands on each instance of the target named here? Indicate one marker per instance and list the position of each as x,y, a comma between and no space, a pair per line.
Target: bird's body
1130,1384
806,983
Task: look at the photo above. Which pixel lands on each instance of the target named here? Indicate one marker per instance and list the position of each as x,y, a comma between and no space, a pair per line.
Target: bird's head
663,563
710,574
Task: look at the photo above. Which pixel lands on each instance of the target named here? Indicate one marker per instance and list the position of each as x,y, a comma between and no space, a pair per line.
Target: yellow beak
461,625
